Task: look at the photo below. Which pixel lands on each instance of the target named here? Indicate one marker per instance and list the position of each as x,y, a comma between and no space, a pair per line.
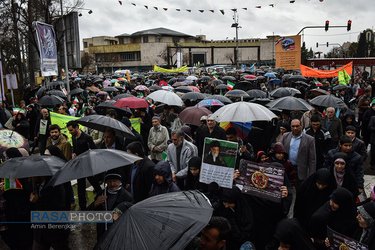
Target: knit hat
156,118
112,176
368,213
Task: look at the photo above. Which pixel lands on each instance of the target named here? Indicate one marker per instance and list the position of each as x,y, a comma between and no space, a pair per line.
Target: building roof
157,31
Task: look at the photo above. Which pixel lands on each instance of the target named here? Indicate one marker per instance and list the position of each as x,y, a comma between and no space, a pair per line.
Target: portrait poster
288,52
342,242
47,48
263,181
219,159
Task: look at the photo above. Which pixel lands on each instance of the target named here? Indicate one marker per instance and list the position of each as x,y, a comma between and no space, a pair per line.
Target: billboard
288,52
47,48
71,39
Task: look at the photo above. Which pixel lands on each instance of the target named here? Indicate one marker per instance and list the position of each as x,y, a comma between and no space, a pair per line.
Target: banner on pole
47,47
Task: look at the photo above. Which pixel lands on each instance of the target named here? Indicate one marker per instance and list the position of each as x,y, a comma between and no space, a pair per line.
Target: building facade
167,48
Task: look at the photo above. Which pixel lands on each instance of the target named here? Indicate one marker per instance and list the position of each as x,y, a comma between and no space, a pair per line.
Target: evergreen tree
362,45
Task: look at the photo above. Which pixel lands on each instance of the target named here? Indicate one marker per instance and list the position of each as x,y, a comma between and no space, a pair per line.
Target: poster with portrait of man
218,161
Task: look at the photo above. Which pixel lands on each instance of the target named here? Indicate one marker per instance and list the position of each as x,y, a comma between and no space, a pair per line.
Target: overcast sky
109,18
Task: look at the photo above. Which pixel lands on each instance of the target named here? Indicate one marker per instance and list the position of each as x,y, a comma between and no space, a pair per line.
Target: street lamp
235,25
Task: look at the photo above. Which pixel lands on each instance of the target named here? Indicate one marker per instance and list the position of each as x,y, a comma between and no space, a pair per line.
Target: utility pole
65,52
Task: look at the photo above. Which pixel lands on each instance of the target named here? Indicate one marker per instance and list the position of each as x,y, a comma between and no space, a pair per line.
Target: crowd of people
322,150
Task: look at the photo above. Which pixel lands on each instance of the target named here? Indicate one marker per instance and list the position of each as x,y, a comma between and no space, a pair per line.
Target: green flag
347,77
341,78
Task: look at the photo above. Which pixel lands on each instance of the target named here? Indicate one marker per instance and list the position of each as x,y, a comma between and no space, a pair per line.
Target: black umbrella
183,89
256,93
221,98
262,101
217,82
50,101
289,103
181,78
102,123
55,83
287,76
193,96
40,92
221,86
166,221
261,78
302,83
229,78
155,87
297,78
30,166
236,93
76,91
57,93
109,89
125,95
160,108
173,80
328,101
109,104
340,87
92,162
120,88
281,92
98,80
206,78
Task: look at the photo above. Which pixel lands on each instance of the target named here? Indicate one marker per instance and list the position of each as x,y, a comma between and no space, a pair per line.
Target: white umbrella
166,97
193,78
243,112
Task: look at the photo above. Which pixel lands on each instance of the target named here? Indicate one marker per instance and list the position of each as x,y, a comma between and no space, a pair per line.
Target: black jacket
122,195
83,143
143,179
50,199
37,127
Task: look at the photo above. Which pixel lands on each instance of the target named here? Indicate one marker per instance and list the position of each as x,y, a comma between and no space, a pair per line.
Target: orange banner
310,72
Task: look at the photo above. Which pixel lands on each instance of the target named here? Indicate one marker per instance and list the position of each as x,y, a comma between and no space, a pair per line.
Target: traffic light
349,25
327,25
327,44
317,45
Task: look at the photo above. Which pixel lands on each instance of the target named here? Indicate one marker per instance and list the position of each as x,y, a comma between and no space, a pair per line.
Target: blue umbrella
209,103
270,74
275,81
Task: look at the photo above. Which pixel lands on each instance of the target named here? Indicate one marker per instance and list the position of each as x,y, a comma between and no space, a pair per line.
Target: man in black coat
211,131
114,194
42,130
138,137
48,198
81,143
111,141
141,173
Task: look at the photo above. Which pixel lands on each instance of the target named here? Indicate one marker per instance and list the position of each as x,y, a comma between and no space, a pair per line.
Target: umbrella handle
11,134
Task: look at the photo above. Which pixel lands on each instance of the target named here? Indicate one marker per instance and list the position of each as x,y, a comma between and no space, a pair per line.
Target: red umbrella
131,102
194,88
192,115
250,77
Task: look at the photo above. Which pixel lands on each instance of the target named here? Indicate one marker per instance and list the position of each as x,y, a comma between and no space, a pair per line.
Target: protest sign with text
263,181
